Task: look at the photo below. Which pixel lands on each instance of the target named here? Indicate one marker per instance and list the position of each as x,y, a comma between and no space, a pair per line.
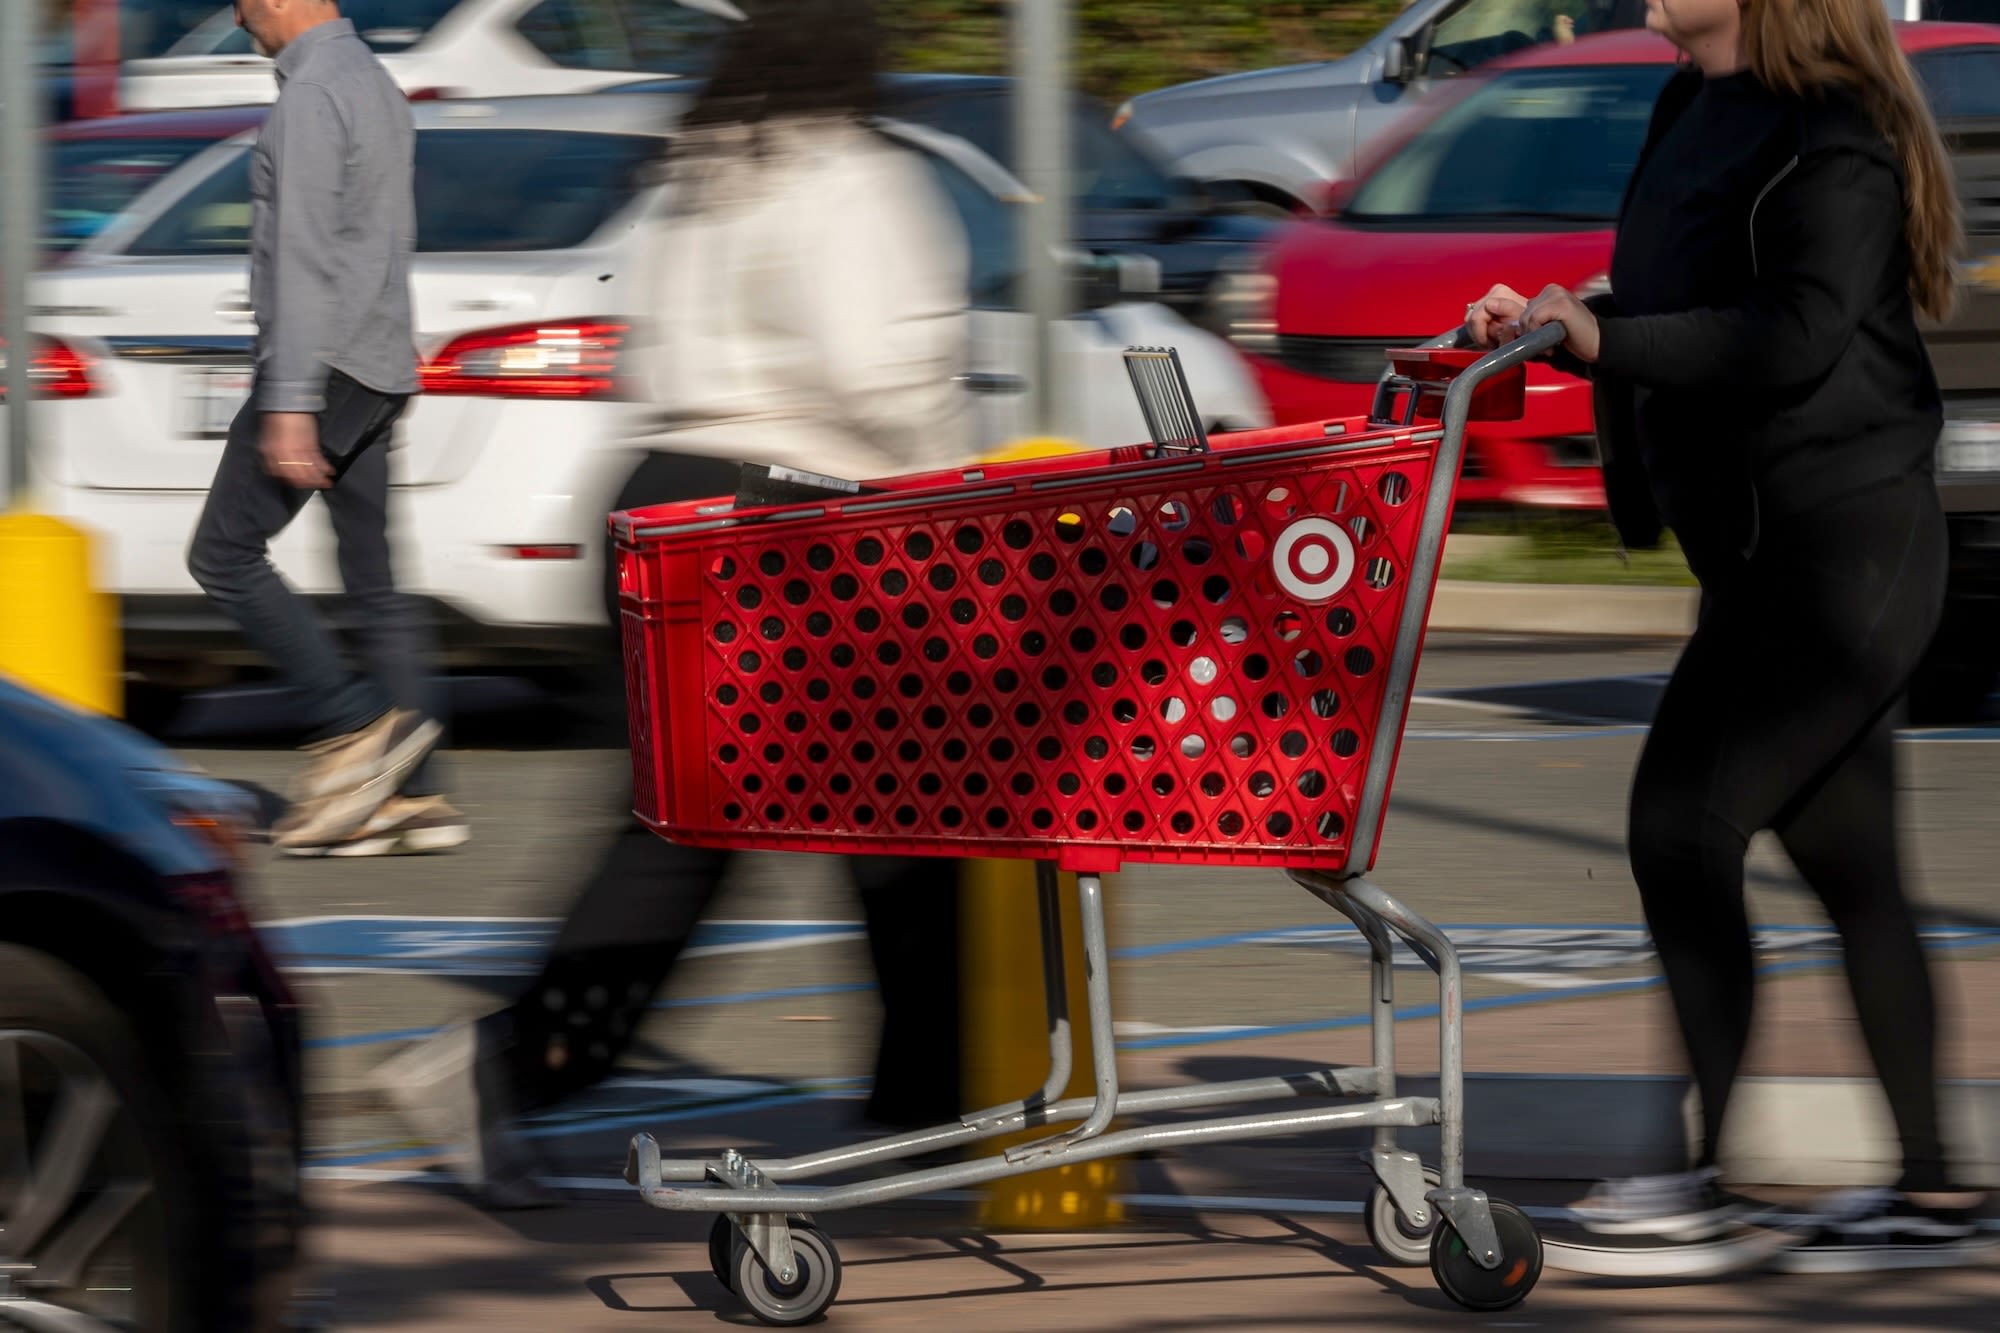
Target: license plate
1969,446
210,399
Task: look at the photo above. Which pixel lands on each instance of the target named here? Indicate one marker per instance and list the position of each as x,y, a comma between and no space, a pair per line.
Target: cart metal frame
764,1200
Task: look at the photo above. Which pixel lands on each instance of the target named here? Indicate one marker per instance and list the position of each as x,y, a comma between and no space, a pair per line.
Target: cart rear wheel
1395,1239
806,1296
722,1250
1460,1277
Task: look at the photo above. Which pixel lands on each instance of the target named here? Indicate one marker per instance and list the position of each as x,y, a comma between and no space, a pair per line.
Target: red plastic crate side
637,615
682,691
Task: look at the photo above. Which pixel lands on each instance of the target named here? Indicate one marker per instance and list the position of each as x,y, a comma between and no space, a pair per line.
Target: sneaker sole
1882,1259
1709,1259
407,842
1678,1231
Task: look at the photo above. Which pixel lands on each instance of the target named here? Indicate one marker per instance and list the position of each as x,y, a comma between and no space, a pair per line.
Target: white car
529,224
451,48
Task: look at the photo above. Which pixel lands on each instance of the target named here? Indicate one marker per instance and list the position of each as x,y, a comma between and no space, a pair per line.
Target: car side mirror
1399,61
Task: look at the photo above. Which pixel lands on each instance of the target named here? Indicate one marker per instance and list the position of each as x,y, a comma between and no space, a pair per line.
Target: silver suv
1282,134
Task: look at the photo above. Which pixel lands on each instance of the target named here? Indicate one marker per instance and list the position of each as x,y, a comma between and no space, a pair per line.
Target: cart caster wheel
806,1296
1460,1277
1393,1238
722,1251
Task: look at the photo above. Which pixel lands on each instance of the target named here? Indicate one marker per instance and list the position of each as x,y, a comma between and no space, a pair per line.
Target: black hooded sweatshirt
1759,349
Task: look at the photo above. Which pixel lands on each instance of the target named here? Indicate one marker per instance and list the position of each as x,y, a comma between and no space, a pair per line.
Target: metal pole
1041,129
20,216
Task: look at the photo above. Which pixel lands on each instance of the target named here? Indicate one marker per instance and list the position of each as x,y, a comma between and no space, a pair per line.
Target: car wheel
101,1219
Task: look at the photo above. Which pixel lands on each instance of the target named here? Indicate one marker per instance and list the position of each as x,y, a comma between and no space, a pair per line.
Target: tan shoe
352,777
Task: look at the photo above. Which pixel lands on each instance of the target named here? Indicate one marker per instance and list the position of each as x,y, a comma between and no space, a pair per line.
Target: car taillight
57,371
573,360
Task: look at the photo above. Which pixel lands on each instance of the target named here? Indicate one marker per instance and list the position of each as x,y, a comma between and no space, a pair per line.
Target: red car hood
1364,282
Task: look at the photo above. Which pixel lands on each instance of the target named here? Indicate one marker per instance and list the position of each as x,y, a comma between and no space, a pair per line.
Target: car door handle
234,306
991,381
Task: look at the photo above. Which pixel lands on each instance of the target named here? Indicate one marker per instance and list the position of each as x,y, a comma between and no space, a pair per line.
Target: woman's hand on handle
1490,320
1558,305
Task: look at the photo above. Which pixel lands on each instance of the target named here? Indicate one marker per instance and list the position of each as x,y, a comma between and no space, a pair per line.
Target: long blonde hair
1802,47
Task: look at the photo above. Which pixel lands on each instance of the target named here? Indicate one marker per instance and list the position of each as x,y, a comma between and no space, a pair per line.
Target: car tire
80,1066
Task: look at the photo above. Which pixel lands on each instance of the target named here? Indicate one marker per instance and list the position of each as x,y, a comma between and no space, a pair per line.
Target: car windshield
92,180
386,25
1962,11
560,186
1553,145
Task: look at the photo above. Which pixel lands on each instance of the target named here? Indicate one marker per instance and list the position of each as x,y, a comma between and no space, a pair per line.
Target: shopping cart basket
1190,654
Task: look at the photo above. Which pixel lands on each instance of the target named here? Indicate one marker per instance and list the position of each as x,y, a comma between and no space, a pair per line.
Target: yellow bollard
1006,1032
58,634
1007,1044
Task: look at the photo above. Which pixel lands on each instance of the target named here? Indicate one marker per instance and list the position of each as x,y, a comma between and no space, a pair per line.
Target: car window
386,25
578,34
213,218
1555,145
395,25
559,188
672,38
150,27
1961,84
1483,30
989,235
1961,11
90,181
1109,173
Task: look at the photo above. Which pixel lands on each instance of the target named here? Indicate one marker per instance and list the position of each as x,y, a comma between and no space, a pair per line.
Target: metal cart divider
1484,1253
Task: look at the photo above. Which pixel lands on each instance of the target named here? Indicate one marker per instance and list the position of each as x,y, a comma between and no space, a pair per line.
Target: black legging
1781,714
644,898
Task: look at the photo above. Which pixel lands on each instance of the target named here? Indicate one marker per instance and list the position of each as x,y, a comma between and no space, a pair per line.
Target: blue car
150,1090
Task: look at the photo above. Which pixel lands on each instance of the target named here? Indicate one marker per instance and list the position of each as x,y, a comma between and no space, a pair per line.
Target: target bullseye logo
1313,559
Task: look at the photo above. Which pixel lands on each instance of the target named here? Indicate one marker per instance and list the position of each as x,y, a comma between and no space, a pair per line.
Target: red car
1512,175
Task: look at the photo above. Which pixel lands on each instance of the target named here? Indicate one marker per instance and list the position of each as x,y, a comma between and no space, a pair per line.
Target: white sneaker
1684,1206
1866,1231
450,1088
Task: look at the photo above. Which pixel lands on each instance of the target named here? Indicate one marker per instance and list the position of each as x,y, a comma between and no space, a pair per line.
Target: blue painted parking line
492,946
1553,957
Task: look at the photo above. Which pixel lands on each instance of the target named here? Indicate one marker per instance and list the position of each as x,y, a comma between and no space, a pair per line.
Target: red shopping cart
1175,652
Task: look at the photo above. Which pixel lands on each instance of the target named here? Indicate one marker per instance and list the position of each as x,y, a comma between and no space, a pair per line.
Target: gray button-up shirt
332,224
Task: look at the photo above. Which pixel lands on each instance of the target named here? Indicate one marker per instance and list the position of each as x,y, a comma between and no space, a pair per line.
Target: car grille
1349,360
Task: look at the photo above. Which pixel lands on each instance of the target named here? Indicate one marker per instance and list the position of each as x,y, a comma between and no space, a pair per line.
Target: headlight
1243,308
1121,115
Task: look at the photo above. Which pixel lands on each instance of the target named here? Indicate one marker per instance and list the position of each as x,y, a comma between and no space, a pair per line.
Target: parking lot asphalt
1506,825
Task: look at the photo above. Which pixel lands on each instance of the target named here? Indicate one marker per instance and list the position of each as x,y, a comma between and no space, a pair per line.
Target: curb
1821,1132
1563,608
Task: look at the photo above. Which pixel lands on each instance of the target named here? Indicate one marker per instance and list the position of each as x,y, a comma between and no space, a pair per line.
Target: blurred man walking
332,227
